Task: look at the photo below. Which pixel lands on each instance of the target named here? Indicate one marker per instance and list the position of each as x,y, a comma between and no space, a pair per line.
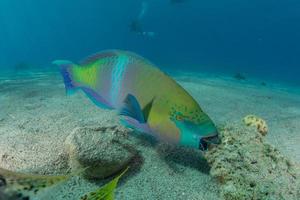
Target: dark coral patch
2,181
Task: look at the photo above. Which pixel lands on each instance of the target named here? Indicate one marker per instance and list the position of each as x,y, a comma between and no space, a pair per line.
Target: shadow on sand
179,158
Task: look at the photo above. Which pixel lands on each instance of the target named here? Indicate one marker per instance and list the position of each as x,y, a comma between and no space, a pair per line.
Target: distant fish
147,99
20,186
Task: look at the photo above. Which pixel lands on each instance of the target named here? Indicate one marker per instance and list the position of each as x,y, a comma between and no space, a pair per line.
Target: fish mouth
205,142
2,181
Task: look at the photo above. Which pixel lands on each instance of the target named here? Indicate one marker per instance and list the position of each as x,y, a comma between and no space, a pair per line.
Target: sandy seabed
36,117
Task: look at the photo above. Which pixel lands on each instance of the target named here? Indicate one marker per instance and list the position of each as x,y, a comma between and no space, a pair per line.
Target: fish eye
179,117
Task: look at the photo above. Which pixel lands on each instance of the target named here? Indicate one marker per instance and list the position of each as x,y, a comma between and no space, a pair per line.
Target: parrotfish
21,186
146,98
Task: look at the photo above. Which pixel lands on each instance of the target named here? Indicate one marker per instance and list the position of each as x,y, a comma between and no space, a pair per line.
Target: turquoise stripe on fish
147,99
117,77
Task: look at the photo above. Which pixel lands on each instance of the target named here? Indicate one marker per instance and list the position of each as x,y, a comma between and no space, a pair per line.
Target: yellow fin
31,183
106,192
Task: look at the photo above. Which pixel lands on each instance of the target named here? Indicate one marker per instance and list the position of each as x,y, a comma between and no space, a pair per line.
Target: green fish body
147,99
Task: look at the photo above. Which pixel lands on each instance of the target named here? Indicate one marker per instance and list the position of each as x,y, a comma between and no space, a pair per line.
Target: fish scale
117,77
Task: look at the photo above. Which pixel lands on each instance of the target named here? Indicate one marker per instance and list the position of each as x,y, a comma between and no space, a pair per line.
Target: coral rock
260,124
246,167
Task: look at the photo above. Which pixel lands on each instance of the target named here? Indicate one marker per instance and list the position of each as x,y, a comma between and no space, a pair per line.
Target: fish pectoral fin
133,123
133,116
97,99
132,109
147,109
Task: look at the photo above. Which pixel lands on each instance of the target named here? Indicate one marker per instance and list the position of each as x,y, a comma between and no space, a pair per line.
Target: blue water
256,38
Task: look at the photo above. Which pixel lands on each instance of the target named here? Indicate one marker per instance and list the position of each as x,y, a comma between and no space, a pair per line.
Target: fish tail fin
67,74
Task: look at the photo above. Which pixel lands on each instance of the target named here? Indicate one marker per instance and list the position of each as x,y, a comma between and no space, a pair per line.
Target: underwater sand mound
247,167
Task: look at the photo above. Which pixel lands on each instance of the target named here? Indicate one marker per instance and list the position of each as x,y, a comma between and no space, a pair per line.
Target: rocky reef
247,167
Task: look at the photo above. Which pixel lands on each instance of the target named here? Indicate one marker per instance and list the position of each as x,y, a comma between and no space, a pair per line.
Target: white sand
36,117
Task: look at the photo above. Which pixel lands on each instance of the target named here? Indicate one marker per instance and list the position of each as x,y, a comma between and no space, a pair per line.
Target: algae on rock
249,168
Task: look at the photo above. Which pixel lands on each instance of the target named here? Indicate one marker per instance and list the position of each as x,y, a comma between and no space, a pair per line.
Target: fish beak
203,145
213,139
205,142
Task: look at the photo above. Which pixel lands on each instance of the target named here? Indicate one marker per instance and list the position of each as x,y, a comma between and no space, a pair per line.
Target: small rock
101,150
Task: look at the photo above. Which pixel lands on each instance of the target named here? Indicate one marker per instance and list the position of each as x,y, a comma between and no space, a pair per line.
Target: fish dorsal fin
132,109
94,57
111,53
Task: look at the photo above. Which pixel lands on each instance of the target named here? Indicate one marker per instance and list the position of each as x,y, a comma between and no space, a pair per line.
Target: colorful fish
21,186
147,99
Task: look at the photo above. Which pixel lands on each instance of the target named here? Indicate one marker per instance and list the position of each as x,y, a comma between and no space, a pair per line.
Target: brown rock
99,149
